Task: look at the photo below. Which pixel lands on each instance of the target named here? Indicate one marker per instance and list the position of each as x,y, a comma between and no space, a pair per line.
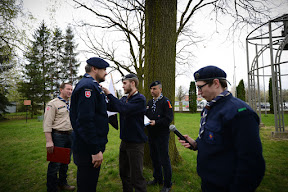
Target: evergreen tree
240,90
271,97
57,47
70,63
5,66
37,79
192,97
9,10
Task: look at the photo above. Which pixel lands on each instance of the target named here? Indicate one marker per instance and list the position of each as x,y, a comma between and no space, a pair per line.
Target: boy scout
58,129
160,112
229,147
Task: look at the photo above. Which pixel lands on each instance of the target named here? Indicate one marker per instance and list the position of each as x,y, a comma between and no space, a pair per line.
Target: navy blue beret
130,76
208,73
154,83
97,62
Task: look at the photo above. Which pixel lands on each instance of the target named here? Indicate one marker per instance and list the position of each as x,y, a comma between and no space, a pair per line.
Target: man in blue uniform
160,113
88,114
132,108
229,147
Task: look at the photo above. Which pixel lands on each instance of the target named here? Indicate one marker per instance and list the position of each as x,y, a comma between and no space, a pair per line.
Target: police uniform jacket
56,116
132,112
230,149
163,116
88,114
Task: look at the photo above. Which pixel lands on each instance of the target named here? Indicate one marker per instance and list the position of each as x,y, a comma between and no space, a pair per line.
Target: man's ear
94,69
217,82
133,83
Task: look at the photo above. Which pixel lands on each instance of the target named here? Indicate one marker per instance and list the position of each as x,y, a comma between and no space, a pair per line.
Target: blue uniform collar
97,85
90,77
216,99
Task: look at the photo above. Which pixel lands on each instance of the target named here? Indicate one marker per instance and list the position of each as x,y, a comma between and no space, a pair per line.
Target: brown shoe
67,187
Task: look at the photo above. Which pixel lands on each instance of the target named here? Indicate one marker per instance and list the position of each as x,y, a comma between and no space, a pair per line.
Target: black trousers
159,152
131,166
87,175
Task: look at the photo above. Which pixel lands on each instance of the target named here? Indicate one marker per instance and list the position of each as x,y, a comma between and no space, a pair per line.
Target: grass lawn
23,162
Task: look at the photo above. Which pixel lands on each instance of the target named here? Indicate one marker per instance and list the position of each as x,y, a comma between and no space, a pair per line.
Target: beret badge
197,75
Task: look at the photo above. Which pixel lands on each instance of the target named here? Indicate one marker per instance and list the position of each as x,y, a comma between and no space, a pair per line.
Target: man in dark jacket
132,108
160,113
229,147
89,119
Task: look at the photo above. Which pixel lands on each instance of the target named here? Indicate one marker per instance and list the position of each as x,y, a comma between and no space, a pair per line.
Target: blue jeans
59,140
159,147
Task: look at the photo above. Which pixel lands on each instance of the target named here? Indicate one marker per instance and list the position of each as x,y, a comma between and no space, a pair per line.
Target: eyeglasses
201,86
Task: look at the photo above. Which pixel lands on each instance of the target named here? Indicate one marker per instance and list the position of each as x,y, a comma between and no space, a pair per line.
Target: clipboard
59,155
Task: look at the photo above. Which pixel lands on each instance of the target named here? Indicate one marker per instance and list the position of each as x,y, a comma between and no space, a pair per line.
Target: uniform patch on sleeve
169,104
147,107
242,109
87,94
48,107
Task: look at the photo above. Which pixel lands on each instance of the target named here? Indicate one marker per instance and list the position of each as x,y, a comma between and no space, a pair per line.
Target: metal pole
26,112
247,55
258,84
273,77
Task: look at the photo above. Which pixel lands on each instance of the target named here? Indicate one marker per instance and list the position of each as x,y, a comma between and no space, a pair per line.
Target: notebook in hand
59,155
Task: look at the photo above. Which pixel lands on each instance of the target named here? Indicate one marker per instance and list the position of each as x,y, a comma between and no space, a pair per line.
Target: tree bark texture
160,56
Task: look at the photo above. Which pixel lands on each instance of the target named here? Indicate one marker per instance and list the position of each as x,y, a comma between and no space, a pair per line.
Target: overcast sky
215,49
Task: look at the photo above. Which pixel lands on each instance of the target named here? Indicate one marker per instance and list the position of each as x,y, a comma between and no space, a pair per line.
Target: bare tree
162,35
125,20
181,93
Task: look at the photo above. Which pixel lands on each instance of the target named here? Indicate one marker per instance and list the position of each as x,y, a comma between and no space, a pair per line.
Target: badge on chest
87,94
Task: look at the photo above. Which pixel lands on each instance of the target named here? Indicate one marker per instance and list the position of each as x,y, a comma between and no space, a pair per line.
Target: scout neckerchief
155,101
67,102
208,106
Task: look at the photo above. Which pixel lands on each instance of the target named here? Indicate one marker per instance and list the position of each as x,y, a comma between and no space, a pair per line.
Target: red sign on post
27,102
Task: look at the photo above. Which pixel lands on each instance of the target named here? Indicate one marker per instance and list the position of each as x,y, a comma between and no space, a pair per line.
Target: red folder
59,155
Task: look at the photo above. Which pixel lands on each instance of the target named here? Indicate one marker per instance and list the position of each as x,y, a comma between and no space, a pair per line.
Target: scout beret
97,62
130,76
208,73
154,83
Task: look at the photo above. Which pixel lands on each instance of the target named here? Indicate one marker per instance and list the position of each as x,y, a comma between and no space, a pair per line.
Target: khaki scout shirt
56,116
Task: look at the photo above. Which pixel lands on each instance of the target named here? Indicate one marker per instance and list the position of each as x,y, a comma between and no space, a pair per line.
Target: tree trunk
160,56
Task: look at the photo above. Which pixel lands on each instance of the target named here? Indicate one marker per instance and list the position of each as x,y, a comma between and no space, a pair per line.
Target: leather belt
62,132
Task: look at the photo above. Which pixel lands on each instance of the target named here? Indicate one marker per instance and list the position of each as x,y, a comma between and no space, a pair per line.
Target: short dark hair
62,86
132,77
136,81
88,68
222,82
